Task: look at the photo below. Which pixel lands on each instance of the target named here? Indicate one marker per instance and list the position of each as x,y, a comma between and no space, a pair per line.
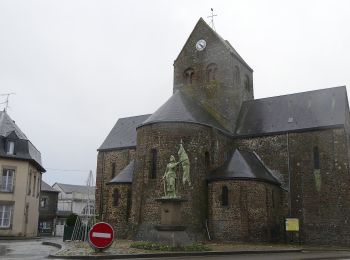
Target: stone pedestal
171,229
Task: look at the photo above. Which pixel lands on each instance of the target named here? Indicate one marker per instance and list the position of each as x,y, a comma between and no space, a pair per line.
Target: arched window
247,84
211,71
316,158
188,75
116,197
224,196
153,166
236,76
113,170
207,160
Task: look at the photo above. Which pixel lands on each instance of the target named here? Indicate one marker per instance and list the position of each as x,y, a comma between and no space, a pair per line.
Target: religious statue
170,178
185,162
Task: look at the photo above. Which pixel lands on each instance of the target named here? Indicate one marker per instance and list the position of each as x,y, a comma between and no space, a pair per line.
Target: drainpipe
289,178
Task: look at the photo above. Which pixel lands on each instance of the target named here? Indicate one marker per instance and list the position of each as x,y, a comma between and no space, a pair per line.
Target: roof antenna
212,18
6,102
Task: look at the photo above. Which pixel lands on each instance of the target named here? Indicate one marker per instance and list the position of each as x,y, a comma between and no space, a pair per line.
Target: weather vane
6,102
212,18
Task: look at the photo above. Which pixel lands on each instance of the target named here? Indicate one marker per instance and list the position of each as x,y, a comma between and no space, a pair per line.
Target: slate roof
125,176
25,150
181,108
70,188
123,134
7,125
243,165
301,111
47,187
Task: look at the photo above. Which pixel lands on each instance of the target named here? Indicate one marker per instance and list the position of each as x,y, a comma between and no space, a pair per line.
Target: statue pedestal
171,230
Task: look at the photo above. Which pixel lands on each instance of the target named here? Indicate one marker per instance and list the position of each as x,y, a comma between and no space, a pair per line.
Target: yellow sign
292,224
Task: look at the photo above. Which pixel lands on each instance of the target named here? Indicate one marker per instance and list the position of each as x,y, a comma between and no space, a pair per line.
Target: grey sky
77,66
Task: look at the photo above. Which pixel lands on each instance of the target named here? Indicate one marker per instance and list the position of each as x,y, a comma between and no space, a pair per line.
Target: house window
5,216
113,170
316,158
26,213
88,210
43,202
6,184
116,197
34,183
188,75
211,71
153,168
224,196
29,183
39,188
10,147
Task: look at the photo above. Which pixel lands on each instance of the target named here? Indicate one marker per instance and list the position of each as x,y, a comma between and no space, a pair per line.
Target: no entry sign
101,235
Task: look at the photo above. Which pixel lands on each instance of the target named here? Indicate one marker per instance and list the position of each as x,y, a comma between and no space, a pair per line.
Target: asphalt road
34,250
278,256
24,249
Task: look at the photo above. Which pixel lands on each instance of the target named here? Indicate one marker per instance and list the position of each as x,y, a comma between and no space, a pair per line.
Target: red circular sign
101,235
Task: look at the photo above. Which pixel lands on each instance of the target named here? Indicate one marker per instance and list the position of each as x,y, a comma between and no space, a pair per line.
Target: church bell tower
210,71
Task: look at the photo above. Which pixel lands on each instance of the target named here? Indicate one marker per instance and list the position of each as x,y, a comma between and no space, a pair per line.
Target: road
24,249
283,256
34,250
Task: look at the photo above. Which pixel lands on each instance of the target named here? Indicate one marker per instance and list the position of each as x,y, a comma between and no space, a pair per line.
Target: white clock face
200,45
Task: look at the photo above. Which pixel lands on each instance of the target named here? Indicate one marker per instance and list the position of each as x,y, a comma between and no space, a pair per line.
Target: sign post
101,235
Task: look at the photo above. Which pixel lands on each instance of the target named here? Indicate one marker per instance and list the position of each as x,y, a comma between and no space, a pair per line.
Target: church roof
296,112
125,176
123,134
243,165
181,108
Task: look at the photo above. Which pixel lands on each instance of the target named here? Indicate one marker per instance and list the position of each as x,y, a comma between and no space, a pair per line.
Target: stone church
253,162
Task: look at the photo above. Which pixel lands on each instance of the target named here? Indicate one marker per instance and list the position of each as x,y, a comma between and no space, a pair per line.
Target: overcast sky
78,66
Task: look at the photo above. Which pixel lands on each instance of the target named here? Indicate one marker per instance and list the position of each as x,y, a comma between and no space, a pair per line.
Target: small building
78,199
47,209
21,170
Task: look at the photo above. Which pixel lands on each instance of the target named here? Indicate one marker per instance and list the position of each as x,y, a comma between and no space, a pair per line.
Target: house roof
181,108
47,187
243,165
7,126
123,134
125,176
25,150
70,188
307,110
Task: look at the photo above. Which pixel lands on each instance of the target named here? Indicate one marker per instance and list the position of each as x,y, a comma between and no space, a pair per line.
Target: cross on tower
212,18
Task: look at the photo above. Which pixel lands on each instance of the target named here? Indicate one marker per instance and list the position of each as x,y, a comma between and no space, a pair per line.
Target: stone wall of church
317,164
104,173
252,211
118,200
206,148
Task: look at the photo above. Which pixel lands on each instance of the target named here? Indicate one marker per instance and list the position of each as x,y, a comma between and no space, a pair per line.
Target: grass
146,245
